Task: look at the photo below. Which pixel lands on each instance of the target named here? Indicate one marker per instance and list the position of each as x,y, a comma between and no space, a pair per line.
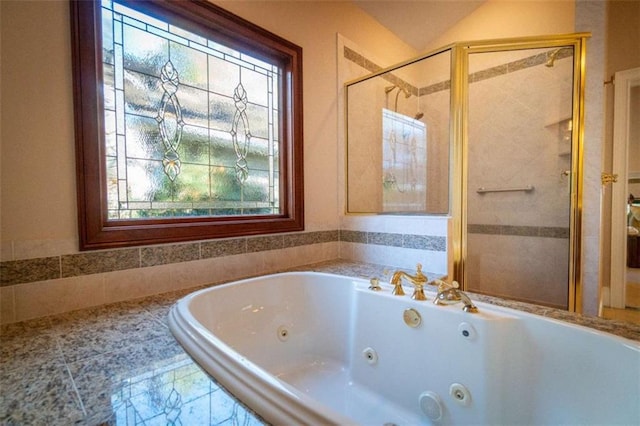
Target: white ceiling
418,22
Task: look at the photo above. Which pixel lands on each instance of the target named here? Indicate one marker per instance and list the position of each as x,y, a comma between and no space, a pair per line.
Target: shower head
418,115
389,89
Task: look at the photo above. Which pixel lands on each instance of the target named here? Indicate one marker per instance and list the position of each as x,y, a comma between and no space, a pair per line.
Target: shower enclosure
513,113
518,198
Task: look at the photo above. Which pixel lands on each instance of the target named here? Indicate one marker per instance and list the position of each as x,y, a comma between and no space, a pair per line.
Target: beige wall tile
42,298
7,305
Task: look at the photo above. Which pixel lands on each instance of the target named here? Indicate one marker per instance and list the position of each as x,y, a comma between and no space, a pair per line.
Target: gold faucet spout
418,280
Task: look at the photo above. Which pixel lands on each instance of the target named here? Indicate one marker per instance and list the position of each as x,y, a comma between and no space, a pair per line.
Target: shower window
201,130
398,138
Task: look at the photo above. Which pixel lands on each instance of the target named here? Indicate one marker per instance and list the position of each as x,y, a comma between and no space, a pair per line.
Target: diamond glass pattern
193,124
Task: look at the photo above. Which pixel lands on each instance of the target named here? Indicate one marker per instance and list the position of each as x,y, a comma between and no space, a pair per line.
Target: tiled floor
116,364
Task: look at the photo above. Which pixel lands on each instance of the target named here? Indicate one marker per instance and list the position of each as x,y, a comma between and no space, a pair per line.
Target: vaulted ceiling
418,22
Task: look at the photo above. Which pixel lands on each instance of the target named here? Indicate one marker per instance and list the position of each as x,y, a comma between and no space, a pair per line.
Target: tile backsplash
42,286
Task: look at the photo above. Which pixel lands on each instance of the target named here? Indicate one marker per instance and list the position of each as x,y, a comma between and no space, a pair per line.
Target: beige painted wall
38,177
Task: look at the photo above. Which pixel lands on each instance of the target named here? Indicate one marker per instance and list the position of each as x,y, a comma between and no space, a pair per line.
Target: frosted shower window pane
404,158
196,122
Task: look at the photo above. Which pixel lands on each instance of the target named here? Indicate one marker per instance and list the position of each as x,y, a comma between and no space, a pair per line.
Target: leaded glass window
188,124
191,125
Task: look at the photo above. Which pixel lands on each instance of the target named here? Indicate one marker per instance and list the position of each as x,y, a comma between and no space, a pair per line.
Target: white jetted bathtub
318,349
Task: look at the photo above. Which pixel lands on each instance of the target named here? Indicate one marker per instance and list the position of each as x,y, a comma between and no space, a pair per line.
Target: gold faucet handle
374,284
420,277
441,284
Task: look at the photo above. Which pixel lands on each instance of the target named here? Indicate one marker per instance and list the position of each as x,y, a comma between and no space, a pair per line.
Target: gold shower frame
460,51
459,146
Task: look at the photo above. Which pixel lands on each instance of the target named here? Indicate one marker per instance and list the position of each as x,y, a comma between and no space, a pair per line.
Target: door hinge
609,178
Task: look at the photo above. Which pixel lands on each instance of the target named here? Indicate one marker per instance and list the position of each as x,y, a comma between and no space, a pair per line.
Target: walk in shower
488,132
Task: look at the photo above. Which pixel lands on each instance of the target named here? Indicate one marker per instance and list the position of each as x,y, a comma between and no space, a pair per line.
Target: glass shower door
520,105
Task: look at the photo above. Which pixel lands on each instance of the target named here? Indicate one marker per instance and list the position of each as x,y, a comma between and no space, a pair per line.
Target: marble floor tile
39,394
24,351
82,344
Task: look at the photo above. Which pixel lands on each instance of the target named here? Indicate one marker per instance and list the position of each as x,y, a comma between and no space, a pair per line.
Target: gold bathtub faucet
418,280
449,294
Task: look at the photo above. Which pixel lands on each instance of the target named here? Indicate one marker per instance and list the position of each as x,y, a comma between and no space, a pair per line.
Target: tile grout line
78,397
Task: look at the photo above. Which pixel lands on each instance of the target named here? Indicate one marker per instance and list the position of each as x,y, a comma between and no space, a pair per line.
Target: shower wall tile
223,247
425,242
161,255
488,73
91,279
20,271
433,262
384,239
293,240
102,261
134,283
554,232
6,251
353,236
265,243
42,298
7,305
542,282
43,248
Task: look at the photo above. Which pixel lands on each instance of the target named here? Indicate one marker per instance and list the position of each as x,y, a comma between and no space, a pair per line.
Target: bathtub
318,349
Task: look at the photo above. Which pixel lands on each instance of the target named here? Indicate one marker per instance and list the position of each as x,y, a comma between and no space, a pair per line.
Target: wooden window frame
96,231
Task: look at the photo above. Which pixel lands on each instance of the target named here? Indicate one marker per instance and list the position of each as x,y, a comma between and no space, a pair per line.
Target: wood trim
96,231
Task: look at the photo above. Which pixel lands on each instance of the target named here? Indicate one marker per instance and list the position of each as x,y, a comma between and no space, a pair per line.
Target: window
188,124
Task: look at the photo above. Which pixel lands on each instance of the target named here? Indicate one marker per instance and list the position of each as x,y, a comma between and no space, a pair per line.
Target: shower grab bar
483,190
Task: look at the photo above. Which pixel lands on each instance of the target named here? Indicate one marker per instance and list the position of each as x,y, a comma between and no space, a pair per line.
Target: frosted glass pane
191,65
190,131
110,132
188,35
194,147
224,185
258,154
143,94
147,180
223,76
144,52
258,120
257,186
107,36
222,153
194,183
109,87
112,182
143,138
256,86
194,103
221,112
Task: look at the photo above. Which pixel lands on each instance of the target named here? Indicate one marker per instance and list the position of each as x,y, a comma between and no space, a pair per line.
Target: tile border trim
520,231
87,263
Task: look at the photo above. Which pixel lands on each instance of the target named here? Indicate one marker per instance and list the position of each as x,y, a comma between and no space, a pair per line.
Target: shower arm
407,95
